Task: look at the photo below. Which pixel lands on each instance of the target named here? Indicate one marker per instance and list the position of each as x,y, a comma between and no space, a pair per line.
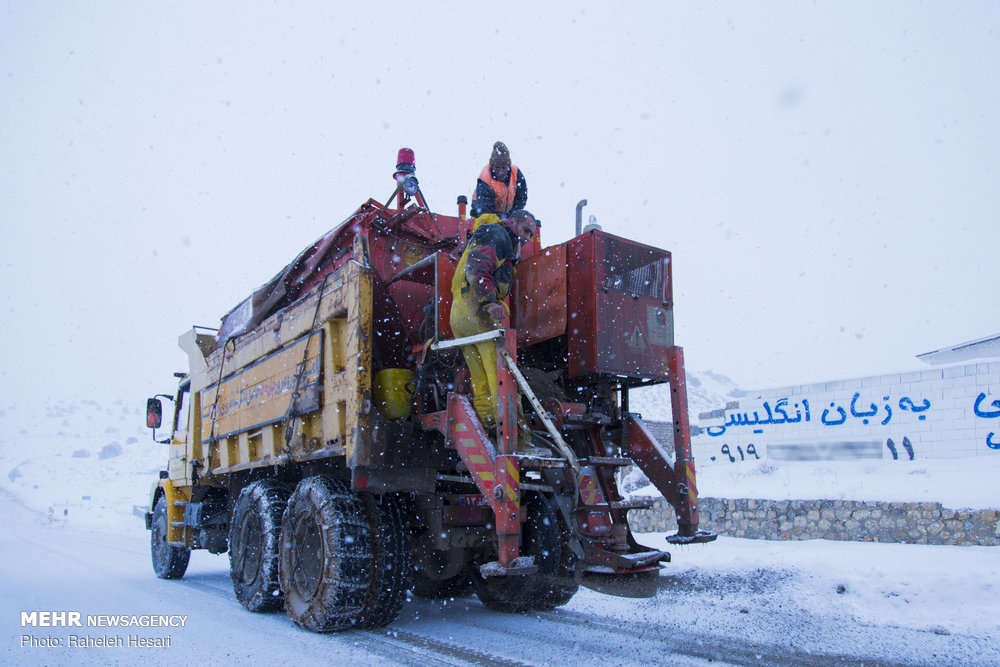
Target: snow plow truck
325,437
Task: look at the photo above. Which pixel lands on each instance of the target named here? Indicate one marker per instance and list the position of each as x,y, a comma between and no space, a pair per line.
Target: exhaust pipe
579,216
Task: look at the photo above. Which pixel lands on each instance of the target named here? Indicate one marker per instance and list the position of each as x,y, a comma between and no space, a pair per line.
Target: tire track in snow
587,640
445,650
400,646
593,637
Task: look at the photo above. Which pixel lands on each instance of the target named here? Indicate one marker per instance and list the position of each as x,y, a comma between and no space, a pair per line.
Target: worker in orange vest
501,187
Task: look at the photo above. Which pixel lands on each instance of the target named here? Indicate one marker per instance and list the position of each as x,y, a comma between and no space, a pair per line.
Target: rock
110,451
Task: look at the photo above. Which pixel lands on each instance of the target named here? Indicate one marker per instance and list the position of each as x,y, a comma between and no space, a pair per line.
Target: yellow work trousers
468,319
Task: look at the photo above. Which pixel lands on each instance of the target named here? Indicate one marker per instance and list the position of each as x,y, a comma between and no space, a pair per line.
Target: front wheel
169,562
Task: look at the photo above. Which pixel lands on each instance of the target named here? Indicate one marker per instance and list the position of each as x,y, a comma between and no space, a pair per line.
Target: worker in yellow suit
482,281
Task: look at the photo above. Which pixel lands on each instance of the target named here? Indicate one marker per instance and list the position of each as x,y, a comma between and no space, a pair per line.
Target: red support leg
677,483
687,490
507,509
507,496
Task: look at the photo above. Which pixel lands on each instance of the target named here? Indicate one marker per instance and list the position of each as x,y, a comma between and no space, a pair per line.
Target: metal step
520,565
644,558
587,420
536,462
700,537
606,461
643,504
635,504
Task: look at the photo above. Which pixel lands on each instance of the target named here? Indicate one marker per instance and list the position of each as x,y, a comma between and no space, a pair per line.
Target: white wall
943,412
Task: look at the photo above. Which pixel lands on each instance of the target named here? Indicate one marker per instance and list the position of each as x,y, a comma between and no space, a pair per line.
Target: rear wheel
169,562
539,538
254,543
561,588
391,560
325,555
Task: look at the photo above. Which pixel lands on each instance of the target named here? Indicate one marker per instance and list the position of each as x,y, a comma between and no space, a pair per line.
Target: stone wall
849,520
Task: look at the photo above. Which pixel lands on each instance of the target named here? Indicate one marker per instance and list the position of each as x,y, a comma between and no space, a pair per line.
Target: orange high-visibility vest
503,193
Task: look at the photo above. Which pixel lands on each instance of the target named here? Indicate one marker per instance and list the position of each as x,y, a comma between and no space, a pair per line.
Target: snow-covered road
70,543
733,602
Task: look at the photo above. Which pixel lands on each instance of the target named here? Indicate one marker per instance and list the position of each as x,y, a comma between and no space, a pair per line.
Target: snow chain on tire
169,562
254,545
326,555
391,563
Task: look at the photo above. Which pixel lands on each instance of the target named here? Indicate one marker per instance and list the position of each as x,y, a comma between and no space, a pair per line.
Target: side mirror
154,413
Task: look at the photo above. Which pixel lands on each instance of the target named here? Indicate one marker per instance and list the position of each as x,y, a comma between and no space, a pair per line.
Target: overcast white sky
826,175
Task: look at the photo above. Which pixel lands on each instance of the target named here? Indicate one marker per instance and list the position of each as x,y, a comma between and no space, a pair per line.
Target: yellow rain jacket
484,275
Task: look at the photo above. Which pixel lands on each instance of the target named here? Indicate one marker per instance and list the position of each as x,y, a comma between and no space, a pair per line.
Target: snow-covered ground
84,463
735,601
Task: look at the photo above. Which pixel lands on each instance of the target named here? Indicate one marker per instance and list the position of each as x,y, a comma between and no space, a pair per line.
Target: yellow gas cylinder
392,390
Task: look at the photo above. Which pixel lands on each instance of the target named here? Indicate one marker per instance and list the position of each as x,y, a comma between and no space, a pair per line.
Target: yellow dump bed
298,387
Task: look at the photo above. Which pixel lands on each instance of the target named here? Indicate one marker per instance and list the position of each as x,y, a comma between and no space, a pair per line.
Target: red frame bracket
677,482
